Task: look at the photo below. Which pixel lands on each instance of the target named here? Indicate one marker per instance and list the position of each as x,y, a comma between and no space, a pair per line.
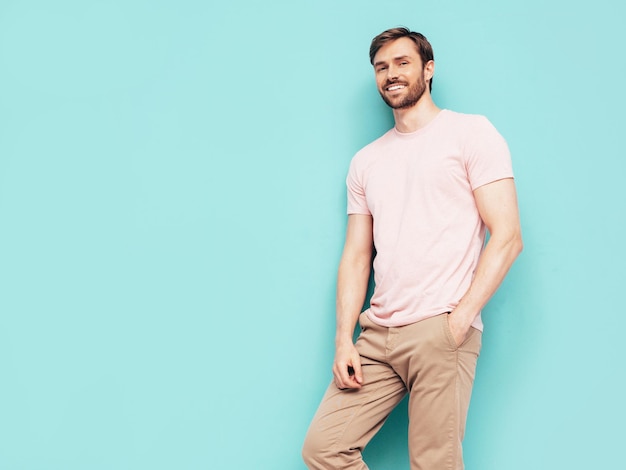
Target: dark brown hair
424,48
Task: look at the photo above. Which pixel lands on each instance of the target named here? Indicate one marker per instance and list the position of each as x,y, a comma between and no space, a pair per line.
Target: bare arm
497,205
352,279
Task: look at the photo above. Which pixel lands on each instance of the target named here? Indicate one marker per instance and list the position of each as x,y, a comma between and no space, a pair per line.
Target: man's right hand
347,367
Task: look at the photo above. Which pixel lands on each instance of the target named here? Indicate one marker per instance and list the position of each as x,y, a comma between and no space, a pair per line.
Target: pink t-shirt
428,234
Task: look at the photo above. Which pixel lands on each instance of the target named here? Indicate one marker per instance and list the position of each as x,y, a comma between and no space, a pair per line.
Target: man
422,196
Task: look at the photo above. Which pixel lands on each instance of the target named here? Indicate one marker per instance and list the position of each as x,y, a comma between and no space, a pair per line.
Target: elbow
356,264
519,247
517,244
509,243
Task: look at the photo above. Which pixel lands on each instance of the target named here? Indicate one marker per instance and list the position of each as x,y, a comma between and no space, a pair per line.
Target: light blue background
172,214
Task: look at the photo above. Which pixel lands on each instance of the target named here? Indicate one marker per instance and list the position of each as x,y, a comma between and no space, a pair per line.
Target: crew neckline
422,129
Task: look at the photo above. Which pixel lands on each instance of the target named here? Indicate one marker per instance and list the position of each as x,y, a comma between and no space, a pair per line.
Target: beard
413,94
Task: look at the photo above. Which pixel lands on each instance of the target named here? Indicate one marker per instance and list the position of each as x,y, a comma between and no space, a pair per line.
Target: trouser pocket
445,323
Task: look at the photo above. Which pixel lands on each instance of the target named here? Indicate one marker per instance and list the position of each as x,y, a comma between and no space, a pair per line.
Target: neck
417,116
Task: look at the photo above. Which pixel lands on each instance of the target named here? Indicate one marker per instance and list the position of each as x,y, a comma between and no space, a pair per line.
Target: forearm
352,283
493,265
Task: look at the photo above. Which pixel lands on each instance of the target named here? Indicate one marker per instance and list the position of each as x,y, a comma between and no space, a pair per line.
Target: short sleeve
487,154
357,203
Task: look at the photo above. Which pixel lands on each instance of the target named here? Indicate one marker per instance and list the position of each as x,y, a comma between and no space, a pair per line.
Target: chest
417,174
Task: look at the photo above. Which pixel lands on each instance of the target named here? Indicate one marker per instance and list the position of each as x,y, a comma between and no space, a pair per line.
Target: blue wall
172,213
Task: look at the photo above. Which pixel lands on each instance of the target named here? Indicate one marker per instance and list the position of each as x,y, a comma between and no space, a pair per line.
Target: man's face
400,75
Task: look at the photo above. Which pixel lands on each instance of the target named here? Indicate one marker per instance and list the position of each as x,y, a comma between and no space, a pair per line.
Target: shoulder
474,132
469,122
372,151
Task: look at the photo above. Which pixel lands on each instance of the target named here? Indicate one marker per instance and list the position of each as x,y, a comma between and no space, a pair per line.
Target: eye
381,69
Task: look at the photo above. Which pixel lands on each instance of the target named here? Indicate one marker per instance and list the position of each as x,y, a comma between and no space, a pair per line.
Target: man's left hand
458,328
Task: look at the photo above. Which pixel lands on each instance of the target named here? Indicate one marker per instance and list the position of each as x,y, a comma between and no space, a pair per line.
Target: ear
429,70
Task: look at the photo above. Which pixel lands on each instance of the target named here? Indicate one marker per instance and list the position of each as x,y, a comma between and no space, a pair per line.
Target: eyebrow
381,62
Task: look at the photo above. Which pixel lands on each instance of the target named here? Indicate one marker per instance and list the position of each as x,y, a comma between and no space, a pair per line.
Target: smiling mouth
395,87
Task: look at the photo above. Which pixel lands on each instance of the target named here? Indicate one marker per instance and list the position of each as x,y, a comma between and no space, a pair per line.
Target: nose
392,73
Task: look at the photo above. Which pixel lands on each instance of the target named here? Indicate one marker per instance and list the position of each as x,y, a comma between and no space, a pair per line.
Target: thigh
439,396
346,420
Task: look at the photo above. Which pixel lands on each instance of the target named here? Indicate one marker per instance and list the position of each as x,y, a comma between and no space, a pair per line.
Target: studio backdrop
172,212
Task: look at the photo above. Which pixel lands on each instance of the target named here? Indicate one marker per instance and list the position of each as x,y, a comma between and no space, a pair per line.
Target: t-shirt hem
491,180
410,319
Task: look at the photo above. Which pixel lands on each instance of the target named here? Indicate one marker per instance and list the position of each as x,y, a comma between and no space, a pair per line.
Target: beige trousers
421,359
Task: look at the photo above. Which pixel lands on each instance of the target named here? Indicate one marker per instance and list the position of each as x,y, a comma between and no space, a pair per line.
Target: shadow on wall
389,448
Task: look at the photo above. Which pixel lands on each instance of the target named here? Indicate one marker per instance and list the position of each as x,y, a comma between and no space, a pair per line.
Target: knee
315,451
319,453
311,452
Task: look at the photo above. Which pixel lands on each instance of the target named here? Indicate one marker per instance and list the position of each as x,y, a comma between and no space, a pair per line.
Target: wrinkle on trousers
421,359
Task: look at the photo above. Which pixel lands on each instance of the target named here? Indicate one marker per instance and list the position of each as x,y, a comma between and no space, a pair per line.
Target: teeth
395,87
